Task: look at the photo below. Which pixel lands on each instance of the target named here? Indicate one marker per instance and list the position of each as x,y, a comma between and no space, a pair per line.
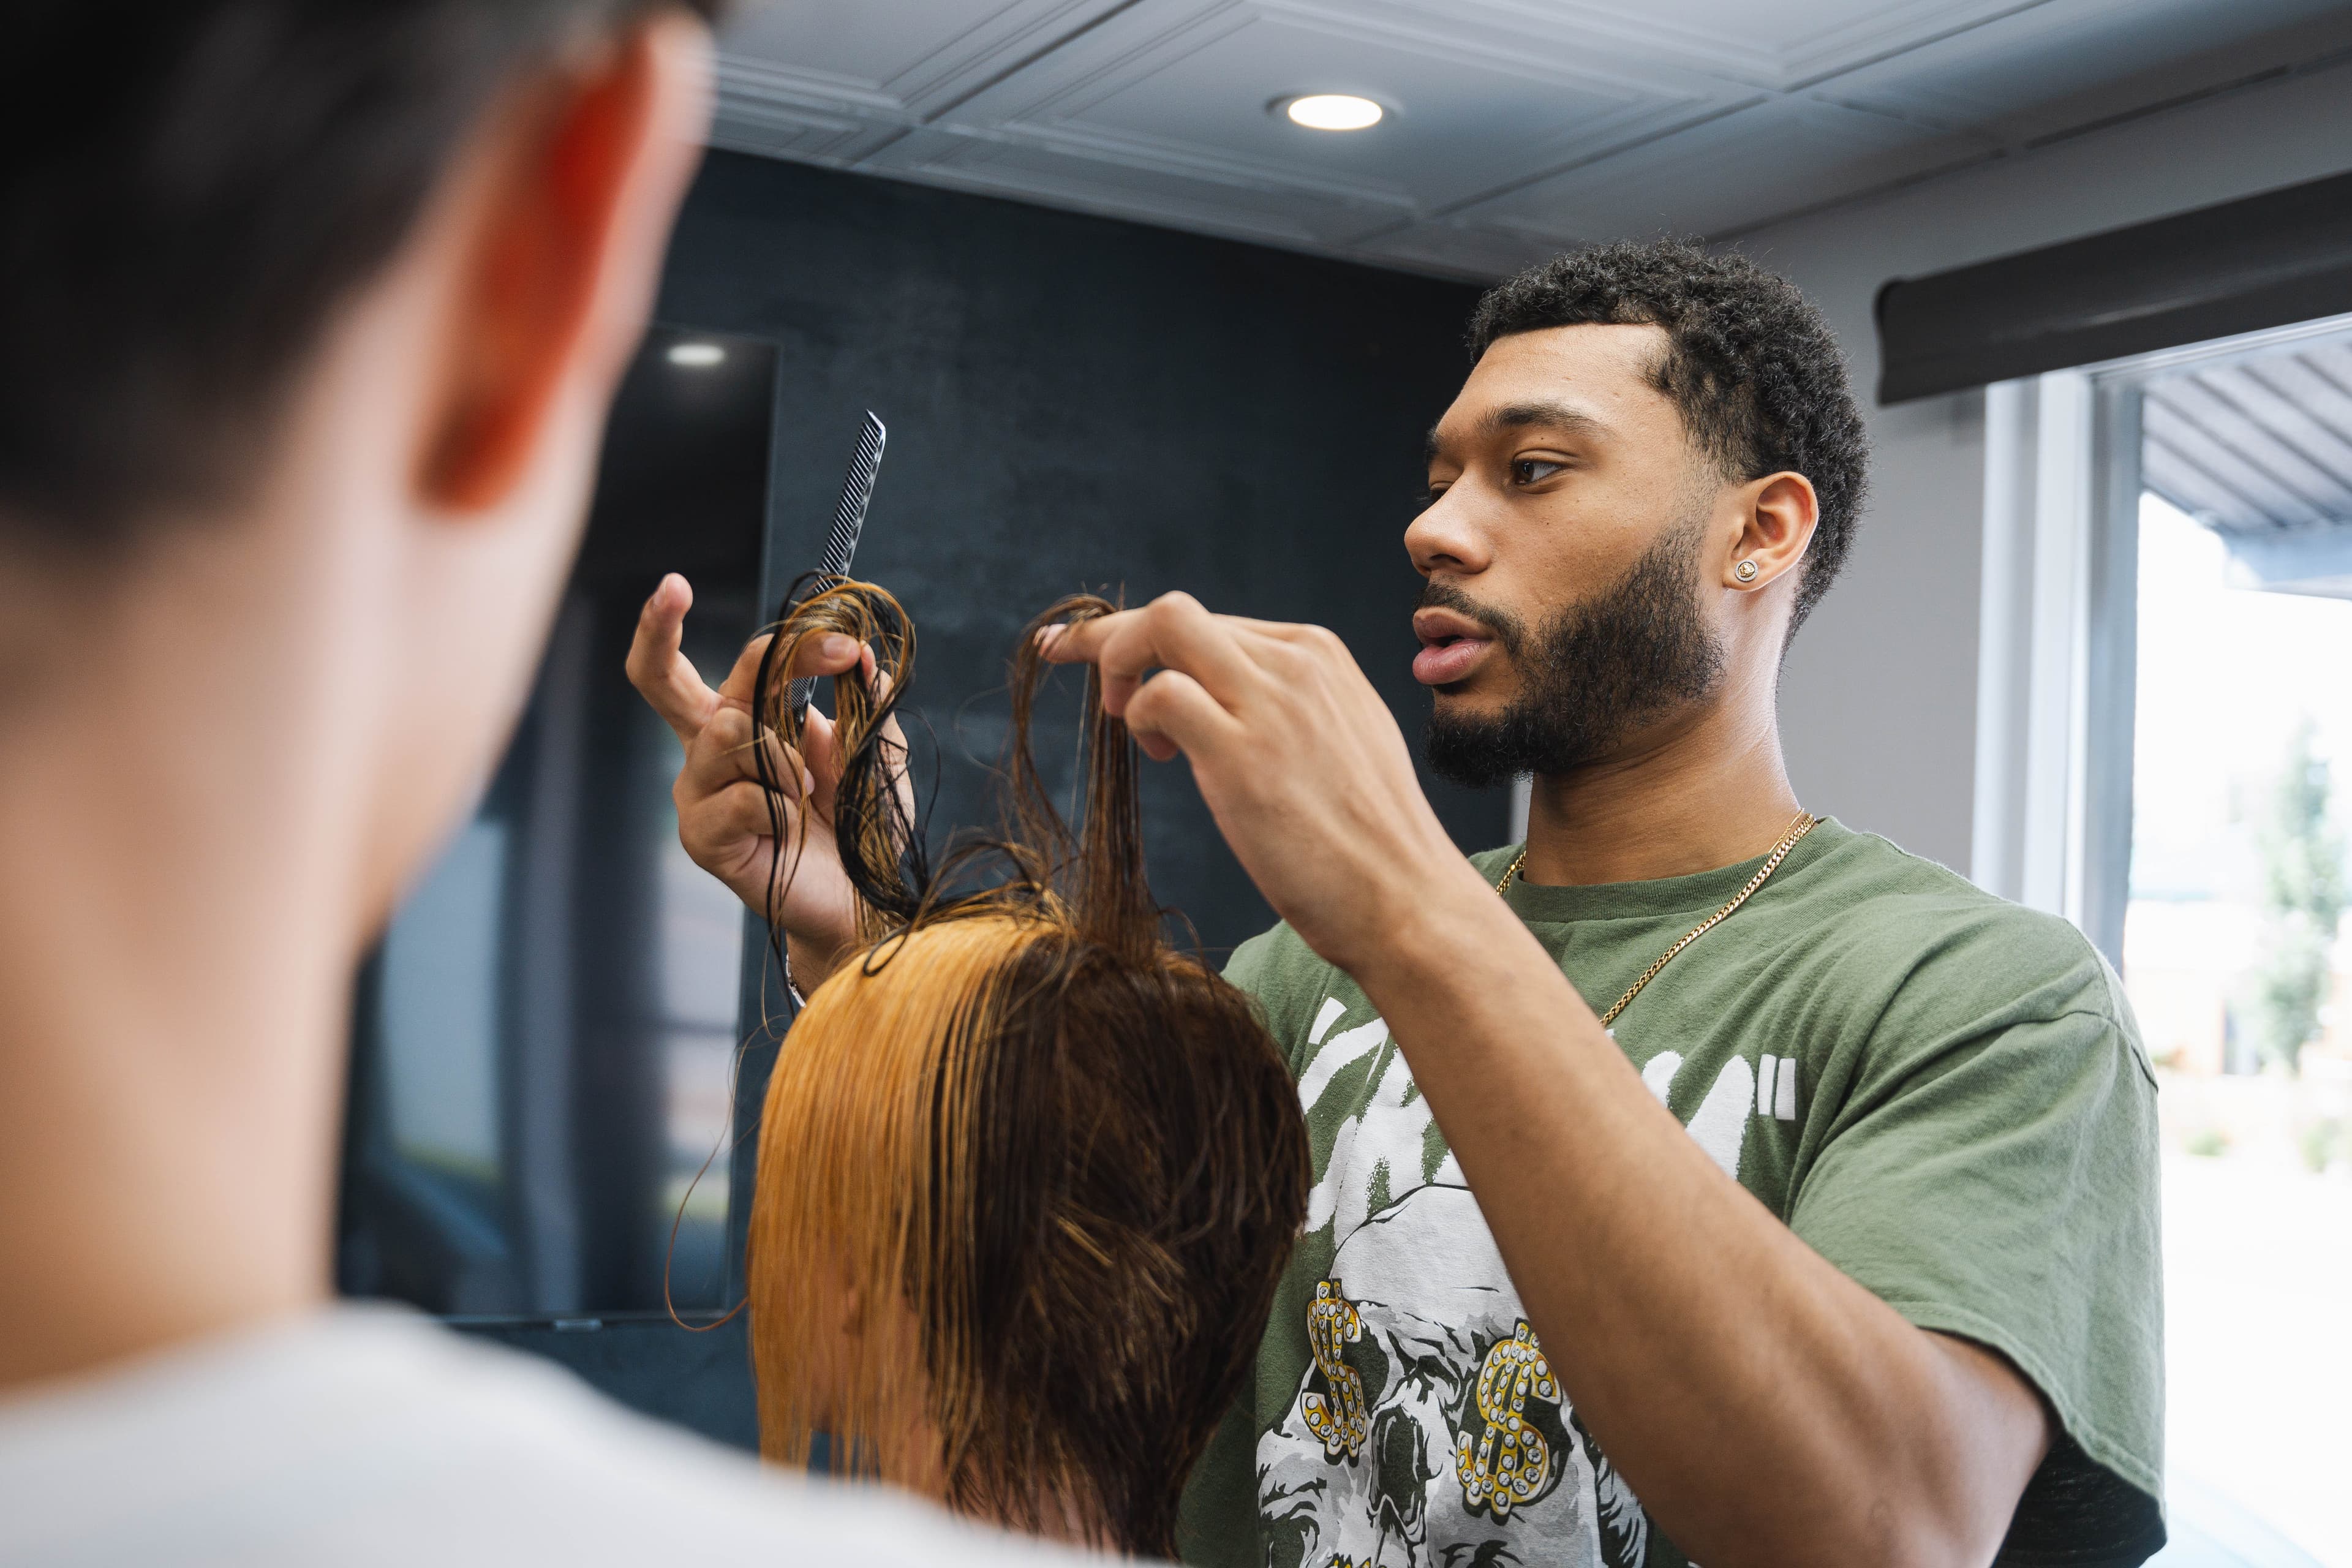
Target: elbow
1931,1532
1887,1530
1940,1516
1895,1507
1947,1476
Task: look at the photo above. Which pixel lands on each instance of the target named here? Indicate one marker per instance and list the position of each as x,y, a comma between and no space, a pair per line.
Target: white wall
1879,701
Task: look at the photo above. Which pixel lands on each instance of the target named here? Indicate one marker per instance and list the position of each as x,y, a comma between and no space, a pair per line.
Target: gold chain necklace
1806,822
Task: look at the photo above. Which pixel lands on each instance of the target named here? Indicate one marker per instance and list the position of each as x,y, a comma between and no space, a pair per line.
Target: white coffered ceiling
1515,126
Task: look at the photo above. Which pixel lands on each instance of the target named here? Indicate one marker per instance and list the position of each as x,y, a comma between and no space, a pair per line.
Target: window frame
2058,630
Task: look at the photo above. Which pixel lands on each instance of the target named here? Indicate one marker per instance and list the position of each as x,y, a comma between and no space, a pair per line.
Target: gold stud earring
1746,571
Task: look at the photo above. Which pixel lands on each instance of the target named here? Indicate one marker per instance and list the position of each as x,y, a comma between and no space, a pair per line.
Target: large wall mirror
543,1043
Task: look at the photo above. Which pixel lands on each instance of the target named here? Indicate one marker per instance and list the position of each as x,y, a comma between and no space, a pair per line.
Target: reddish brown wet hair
1028,1173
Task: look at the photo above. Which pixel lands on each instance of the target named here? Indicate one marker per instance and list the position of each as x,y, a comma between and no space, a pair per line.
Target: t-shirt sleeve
1992,1173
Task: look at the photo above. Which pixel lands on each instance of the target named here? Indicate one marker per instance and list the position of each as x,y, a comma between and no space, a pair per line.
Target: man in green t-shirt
1699,1180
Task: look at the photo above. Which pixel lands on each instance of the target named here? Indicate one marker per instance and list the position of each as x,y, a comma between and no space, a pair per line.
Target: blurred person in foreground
311,321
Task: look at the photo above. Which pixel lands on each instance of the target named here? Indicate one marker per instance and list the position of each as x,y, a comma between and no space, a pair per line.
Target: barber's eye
1533,471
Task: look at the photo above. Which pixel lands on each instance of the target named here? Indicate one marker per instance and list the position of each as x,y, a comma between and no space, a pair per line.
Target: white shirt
367,1434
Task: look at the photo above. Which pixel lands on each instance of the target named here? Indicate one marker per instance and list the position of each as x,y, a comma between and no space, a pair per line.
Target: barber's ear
1780,512
576,186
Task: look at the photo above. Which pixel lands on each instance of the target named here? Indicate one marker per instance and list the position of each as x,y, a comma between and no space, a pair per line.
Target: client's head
1028,1175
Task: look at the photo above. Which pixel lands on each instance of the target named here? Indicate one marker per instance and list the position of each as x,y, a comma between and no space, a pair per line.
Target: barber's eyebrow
1559,416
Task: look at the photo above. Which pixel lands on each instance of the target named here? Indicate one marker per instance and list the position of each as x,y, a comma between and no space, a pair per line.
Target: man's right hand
723,812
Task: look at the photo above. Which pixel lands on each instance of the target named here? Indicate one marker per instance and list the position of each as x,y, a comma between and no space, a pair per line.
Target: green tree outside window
2303,904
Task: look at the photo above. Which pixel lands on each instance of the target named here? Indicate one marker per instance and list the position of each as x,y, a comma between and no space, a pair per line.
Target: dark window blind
2262,261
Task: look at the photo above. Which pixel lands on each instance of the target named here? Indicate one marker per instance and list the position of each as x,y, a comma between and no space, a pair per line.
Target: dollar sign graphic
1508,1464
1340,1422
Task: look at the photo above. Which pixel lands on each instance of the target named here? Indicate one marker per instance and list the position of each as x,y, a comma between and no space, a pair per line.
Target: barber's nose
1445,538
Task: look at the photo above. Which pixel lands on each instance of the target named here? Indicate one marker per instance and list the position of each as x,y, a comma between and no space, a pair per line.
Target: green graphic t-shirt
1942,1093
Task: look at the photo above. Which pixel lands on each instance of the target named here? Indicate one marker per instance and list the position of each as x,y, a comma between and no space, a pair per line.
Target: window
2166,757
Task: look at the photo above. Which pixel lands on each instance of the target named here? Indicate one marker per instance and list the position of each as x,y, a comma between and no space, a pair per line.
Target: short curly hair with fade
1750,363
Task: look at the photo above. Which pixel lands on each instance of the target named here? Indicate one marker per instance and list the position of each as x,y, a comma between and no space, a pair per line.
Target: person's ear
568,229
1780,510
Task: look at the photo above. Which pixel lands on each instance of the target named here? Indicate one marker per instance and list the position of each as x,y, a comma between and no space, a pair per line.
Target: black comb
848,521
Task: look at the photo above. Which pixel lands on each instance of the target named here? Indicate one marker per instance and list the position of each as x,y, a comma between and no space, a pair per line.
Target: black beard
1593,674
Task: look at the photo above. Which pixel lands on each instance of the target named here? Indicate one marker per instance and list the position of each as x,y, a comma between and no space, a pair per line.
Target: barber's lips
1451,646
1443,663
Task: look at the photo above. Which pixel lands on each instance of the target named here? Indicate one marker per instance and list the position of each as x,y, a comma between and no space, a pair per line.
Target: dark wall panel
1074,401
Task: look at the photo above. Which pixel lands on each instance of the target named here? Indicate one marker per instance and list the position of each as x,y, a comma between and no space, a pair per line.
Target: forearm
1764,1407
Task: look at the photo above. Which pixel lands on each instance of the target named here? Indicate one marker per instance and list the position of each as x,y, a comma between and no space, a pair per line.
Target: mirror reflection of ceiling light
696,356
1333,111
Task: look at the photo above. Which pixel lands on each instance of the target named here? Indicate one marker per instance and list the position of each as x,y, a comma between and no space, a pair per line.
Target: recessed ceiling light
700,356
1333,111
